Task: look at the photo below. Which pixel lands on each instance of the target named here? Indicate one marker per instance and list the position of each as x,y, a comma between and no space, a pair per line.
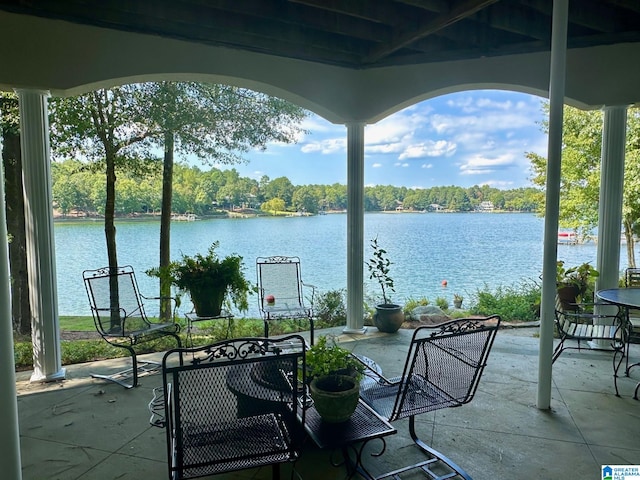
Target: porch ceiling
347,60
356,34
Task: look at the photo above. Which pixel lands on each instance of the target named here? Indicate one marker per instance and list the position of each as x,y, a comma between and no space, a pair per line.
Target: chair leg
275,471
434,453
266,329
311,329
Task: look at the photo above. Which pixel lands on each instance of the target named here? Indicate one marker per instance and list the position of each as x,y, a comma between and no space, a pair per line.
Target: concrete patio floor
88,429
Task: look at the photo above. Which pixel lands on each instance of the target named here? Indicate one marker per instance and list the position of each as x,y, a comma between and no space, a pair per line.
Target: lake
469,250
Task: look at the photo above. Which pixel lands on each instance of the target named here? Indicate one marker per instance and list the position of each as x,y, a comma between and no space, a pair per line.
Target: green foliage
442,303
580,176
80,186
209,271
378,266
457,297
330,309
513,303
412,303
583,277
326,357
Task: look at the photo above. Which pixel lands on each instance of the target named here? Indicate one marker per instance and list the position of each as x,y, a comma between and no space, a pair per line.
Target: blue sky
468,138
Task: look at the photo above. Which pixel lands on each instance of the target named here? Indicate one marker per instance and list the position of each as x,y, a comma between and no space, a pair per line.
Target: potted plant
575,284
209,280
335,380
457,300
389,316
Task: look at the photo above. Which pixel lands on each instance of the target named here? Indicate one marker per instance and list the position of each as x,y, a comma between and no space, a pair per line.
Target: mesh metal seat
442,370
280,277
232,405
120,318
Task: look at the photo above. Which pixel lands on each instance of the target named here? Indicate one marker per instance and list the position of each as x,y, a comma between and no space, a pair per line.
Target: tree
215,123
100,126
580,177
14,201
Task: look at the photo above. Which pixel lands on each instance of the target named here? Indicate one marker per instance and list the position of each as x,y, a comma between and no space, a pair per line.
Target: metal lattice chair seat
221,416
120,318
420,396
443,369
280,278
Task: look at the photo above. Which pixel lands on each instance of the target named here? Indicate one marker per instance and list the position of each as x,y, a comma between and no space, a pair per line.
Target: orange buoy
444,283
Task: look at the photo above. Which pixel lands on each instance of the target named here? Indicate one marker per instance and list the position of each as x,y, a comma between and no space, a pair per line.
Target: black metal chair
632,280
443,369
120,318
280,279
232,405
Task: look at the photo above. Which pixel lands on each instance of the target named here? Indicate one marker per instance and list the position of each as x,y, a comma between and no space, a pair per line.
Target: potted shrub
335,380
575,284
209,280
457,300
388,316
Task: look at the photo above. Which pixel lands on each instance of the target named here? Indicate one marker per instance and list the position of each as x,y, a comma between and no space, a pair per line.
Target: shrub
512,303
412,303
442,303
330,309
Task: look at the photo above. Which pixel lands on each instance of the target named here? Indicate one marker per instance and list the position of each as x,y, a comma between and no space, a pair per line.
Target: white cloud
326,147
376,165
427,165
478,165
429,148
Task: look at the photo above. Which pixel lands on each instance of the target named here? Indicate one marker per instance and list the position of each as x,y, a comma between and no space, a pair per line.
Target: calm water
468,250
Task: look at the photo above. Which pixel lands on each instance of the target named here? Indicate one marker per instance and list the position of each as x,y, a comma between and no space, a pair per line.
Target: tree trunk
165,226
14,198
110,236
628,234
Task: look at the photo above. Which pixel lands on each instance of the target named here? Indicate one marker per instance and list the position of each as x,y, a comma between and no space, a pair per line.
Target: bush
411,303
442,303
330,309
513,303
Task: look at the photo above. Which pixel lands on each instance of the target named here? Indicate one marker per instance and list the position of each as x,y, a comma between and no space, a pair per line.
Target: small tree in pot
335,380
389,316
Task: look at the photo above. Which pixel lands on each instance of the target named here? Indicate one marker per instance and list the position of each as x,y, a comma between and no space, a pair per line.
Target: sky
469,138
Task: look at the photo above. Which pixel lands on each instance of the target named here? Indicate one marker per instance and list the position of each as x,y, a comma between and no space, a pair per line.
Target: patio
82,428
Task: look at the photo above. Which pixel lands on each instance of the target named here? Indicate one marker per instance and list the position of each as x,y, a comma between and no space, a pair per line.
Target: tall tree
101,126
580,177
216,123
14,200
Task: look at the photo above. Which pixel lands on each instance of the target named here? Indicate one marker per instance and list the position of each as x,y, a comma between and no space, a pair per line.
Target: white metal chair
120,318
280,291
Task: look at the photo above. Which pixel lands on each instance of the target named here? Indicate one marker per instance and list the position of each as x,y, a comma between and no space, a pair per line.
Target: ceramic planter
388,317
335,397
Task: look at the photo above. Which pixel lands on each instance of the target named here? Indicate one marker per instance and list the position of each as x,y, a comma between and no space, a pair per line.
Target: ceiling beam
458,12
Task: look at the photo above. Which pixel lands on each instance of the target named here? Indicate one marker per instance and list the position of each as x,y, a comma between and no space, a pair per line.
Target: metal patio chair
280,280
632,280
122,321
232,405
442,370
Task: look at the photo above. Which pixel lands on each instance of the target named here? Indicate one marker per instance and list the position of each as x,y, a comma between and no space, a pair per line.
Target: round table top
625,297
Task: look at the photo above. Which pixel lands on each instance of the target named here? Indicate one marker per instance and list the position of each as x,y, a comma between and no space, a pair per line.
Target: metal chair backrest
444,365
233,404
632,277
280,276
118,315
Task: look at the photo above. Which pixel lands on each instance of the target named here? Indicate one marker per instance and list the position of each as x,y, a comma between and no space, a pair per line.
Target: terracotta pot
388,317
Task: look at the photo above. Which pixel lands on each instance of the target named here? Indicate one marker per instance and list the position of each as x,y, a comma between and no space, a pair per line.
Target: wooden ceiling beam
459,11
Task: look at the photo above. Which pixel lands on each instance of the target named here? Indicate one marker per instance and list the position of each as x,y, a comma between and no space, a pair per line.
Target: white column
552,206
34,134
10,432
614,132
355,228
